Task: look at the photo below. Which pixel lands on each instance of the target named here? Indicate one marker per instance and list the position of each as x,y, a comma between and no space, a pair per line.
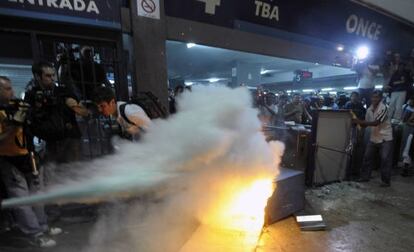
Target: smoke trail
185,163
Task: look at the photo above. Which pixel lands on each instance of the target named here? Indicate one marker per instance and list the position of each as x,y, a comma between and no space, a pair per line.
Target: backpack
149,103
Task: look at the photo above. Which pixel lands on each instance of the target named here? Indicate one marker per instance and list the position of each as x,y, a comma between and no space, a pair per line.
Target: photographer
18,168
131,118
53,115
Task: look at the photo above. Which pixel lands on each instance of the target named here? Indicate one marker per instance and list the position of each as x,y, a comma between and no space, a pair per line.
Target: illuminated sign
104,13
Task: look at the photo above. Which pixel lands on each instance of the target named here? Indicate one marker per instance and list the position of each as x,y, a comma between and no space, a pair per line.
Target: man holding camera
53,115
18,168
131,118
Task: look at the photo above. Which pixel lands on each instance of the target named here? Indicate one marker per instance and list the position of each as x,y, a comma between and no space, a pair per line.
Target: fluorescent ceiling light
308,90
212,80
263,71
327,89
340,48
191,45
350,88
188,83
269,71
378,87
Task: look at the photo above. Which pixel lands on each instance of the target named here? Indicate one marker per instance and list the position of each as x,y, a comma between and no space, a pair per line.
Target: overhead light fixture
378,87
362,52
326,89
340,48
350,88
308,90
191,45
263,71
188,83
212,80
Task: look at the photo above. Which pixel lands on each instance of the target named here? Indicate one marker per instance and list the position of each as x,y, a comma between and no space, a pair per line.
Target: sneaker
44,242
54,231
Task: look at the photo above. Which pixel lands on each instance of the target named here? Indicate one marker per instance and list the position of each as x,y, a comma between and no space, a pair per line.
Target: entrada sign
73,5
92,12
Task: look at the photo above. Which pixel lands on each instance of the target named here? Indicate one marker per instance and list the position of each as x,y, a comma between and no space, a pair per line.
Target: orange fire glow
236,223
245,209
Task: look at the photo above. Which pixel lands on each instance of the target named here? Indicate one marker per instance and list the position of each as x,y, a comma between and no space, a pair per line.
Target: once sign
73,5
363,27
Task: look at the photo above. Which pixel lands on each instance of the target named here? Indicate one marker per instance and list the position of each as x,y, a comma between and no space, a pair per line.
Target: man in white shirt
381,140
366,84
131,117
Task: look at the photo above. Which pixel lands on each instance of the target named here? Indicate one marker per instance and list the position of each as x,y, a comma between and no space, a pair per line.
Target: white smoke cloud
181,166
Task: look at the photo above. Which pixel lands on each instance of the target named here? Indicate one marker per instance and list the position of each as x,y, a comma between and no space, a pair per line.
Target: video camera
112,128
15,110
46,98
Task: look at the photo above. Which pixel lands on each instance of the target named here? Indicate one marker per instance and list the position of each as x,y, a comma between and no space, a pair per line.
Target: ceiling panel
200,63
401,8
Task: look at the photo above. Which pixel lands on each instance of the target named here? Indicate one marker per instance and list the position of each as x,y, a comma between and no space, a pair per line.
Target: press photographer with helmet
18,168
53,115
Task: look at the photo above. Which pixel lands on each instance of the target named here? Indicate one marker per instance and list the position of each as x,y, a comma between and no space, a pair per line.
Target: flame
245,210
236,221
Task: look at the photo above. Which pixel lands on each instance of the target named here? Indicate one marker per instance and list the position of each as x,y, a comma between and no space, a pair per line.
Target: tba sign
149,8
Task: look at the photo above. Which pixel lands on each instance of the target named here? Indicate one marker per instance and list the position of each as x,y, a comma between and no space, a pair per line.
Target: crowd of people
381,111
50,114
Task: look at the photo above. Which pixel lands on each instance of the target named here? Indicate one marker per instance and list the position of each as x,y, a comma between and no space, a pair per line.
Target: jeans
31,220
397,101
385,150
365,93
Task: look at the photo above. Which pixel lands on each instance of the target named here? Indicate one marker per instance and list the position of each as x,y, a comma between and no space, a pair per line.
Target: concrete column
149,37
